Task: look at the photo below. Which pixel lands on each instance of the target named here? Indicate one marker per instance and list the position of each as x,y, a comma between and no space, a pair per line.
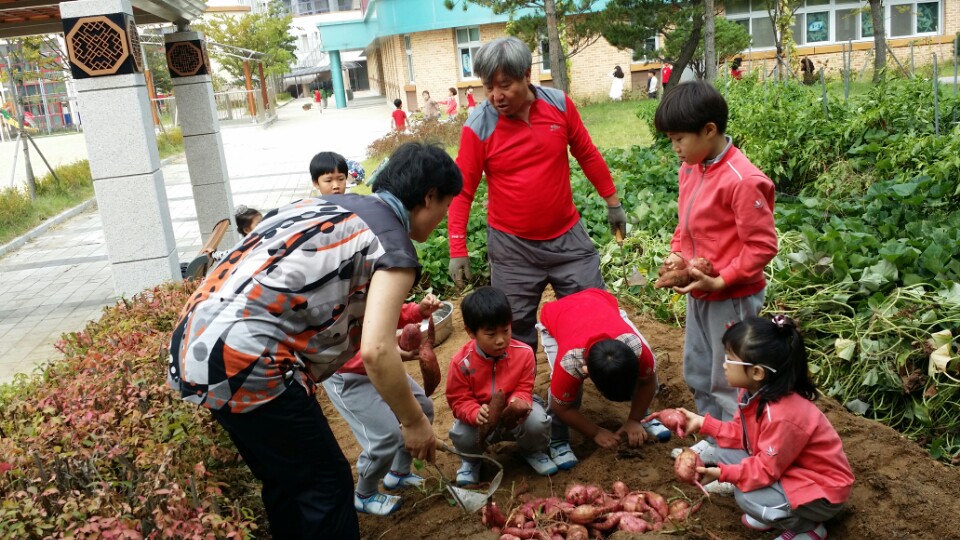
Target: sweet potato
515,413
429,367
608,521
576,494
583,514
679,265
620,489
672,419
410,337
673,278
497,404
631,523
634,502
704,266
680,509
686,468
491,516
577,532
657,503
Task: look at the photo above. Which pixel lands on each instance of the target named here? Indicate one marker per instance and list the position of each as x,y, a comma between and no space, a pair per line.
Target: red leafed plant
97,446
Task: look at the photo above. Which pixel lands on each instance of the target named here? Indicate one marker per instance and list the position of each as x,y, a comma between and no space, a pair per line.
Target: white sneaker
378,504
707,452
541,463
393,480
724,489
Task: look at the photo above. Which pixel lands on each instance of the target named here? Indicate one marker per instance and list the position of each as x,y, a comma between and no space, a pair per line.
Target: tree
731,39
568,26
628,24
782,19
879,40
709,40
157,63
266,33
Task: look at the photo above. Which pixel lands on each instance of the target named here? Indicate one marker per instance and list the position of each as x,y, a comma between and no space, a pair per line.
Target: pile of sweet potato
586,512
679,276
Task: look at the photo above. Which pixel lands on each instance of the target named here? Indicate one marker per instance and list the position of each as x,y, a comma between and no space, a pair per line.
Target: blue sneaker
378,504
394,480
655,429
468,474
562,455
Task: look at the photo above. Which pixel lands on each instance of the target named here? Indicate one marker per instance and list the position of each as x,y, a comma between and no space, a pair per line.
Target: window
468,43
406,45
838,21
818,27
544,55
647,51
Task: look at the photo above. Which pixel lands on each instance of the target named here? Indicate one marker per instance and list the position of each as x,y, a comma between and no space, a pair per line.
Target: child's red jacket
793,442
473,378
726,216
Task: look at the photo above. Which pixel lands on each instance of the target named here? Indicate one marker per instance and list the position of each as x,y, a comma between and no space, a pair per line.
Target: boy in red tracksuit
489,362
726,216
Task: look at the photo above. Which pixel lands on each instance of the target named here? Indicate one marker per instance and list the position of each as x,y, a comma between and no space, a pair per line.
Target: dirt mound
900,492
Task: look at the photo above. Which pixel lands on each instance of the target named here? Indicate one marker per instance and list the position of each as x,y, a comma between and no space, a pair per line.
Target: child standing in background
780,452
399,118
471,103
726,216
492,361
452,104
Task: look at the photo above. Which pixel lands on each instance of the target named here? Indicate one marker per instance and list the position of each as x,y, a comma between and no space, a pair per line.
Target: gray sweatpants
532,435
769,505
522,269
703,351
374,425
560,431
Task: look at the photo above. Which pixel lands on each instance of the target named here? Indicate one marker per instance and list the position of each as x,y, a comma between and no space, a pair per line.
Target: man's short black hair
689,107
613,368
416,168
326,163
397,103
486,307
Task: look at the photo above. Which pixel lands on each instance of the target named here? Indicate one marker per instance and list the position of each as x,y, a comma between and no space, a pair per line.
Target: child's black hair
397,103
613,367
453,91
777,344
244,218
689,107
486,307
326,163
416,168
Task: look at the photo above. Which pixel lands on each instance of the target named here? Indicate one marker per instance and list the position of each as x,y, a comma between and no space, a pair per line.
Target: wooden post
152,95
251,104
263,87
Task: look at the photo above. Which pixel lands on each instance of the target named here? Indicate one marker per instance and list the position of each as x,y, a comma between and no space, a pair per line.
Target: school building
416,45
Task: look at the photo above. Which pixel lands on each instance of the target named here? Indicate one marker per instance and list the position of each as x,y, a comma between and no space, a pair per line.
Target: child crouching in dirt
492,362
586,334
376,427
782,455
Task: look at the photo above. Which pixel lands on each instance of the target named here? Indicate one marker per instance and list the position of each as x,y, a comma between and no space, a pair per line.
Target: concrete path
60,280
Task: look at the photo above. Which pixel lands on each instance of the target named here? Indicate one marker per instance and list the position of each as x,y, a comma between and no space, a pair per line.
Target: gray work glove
617,219
460,269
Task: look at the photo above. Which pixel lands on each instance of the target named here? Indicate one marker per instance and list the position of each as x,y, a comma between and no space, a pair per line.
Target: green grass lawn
614,124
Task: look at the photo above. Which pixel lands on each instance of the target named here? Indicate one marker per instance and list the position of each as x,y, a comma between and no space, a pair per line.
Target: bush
71,179
170,142
97,446
14,206
447,134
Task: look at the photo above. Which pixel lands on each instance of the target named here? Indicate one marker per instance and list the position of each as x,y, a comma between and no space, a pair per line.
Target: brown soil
900,491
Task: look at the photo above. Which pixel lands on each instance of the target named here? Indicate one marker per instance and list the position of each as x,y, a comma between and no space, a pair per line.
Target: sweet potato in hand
672,419
686,468
515,413
704,266
496,407
429,367
673,278
410,337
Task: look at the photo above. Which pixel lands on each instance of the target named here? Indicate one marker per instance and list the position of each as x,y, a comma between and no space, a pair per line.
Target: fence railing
234,107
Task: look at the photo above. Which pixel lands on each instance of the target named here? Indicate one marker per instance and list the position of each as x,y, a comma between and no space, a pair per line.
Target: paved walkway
60,280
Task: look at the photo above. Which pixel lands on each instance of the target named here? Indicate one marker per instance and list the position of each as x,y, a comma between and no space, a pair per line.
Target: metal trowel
635,278
468,500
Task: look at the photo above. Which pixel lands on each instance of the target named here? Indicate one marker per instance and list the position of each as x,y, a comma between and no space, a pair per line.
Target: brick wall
591,68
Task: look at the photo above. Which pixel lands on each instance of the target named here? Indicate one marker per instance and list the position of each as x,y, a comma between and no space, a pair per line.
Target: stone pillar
103,48
197,111
336,73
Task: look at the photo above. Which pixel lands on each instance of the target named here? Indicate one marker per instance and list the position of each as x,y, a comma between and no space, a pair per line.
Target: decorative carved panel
102,45
187,58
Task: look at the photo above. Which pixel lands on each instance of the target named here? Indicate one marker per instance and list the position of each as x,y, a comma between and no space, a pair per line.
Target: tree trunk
686,53
558,64
879,39
709,41
19,112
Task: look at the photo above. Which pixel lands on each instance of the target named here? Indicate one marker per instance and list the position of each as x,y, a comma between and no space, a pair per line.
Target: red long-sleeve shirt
473,378
793,442
409,314
726,216
527,169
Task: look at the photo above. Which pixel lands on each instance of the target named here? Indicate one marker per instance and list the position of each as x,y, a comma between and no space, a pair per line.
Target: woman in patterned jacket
316,281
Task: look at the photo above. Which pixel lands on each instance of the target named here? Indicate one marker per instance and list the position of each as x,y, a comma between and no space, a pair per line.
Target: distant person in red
665,74
735,70
399,117
471,103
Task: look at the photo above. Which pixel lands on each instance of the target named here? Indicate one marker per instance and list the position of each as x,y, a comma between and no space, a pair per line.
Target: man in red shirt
519,139
665,74
399,117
